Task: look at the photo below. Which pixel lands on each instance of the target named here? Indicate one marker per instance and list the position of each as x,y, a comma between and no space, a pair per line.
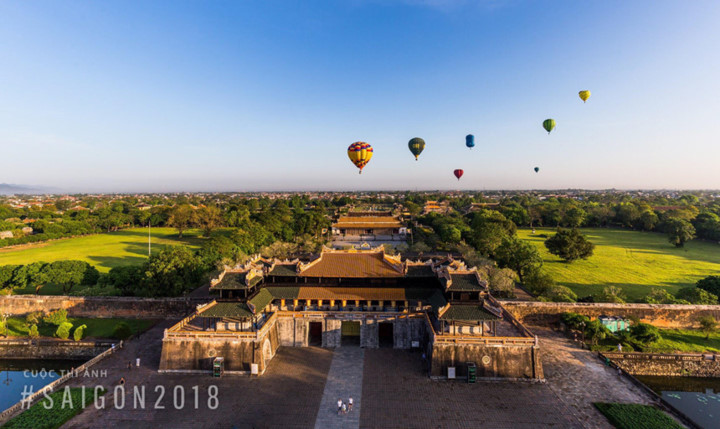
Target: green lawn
104,251
633,260
636,416
672,341
96,328
53,413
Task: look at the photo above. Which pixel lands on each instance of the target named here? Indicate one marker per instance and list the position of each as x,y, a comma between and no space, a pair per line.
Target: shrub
559,293
122,331
575,321
596,331
539,282
645,333
710,284
708,325
33,318
696,296
57,317
611,294
33,333
78,334
63,331
659,296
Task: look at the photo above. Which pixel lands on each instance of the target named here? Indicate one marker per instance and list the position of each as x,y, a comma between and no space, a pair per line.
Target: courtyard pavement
301,387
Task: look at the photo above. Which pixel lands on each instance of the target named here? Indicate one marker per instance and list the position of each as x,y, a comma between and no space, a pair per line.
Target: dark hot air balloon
416,146
360,154
470,141
549,124
537,169
458,173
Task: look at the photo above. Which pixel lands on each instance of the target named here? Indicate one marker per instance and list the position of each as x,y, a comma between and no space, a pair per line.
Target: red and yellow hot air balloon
458,173
360,154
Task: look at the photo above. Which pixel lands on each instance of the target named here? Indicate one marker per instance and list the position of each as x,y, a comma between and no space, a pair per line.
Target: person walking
350,404
340,406
344,409
122,381
620,347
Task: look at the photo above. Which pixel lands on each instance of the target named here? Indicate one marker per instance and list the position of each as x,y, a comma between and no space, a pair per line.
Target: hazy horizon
164,96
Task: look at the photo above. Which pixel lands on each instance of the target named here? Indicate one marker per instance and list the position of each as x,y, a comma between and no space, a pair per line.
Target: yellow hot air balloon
584,95
360,154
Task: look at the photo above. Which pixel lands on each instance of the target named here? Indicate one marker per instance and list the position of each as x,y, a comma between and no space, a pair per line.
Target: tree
596,331
63,331
569,245
708,325
559,293
648,220
659,296
679,231
501,281
57,317
209,218
182,217
710,284
519,255
696,295
122,331
79,331
574,217
172,272
645,333
611,294
539,282
70,273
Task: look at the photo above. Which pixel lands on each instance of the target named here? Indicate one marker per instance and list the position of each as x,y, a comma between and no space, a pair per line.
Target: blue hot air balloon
470,141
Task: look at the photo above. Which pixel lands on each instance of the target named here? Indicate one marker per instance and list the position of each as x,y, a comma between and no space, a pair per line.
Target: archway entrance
350,333
315,334
385,334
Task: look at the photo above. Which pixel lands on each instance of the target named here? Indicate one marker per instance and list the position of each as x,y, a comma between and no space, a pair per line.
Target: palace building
353,298
369,226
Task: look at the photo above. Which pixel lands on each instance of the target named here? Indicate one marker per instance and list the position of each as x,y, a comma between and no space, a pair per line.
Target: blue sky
267,95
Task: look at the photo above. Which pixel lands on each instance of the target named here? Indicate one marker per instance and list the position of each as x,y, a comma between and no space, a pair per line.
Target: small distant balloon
470,141
584,95
537,169
360,154
549,125
458,173
416,146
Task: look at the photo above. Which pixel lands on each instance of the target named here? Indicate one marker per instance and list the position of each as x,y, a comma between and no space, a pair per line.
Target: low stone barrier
669,365
660,315
30,400
101,307
52,349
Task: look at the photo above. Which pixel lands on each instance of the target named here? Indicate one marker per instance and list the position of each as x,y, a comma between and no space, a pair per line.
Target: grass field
104,251
632,260
96,328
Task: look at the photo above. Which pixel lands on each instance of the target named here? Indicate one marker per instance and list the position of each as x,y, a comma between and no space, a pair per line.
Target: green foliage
569,245
659,296
63,331
539,282
122,331
34,318
708,325
710,284
33,332
596,331
559,293
679,231
645,333
518,255
636,416
611,294
575,321
696,295
78,334
172,272
38,417
57,317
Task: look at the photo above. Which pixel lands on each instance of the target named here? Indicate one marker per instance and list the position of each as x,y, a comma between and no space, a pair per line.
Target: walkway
344,380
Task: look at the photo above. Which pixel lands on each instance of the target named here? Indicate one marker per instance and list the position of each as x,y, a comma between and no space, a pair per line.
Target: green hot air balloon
416,146
537,169
549,124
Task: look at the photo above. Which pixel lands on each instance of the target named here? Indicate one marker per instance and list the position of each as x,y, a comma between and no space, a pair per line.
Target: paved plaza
389,387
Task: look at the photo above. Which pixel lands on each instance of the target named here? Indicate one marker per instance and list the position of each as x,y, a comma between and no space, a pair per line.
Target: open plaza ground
635,261
389,387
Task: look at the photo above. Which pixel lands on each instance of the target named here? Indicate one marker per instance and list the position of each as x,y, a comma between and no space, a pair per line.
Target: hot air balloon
360,154
537,169
458,173
416,146
584,95
470,141
549,124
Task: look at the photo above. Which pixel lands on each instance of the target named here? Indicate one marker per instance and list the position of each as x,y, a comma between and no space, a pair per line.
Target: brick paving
398,394
344,380
579,378
287,395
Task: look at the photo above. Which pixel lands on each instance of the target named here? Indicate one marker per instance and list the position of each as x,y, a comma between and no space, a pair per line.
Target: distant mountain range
9,189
